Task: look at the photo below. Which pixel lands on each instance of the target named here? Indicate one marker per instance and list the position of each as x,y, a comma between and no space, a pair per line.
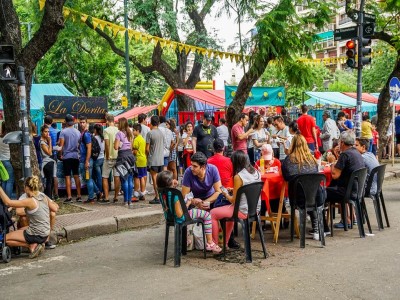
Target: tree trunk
384,108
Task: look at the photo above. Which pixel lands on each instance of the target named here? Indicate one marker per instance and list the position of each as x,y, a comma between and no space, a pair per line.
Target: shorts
108,166
142,172
34,239
71,165
156,169
397,139
166,161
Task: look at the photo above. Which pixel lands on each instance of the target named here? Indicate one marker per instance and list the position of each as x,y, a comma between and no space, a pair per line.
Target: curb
110,225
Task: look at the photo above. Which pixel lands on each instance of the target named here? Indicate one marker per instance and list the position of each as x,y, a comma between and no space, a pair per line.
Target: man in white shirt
223,131
329,131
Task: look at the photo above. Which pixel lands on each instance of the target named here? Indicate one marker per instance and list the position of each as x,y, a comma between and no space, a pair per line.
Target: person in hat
69,145
204,135
329,131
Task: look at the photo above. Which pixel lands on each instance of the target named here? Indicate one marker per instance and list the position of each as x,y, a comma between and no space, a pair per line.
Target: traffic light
8,69
365,59
351,54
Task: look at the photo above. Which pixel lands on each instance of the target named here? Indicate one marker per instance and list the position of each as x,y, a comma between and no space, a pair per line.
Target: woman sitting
245,174
301,161
165,180
37,207
332,155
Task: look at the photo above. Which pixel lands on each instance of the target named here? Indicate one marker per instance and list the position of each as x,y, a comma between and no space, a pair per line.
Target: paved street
128,265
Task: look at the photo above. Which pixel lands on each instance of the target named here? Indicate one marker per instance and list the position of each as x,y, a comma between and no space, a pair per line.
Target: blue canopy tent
38,91
335,101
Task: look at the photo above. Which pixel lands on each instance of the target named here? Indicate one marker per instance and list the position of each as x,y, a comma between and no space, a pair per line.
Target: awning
335,98
364,97
214,98
134,112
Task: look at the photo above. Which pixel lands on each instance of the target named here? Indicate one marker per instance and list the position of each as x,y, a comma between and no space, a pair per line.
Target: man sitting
349,161
362,145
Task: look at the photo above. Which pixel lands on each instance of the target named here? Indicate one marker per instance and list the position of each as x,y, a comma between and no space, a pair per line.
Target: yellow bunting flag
84,18
42,3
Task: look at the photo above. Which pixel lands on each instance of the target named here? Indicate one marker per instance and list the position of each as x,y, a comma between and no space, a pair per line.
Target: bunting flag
168,44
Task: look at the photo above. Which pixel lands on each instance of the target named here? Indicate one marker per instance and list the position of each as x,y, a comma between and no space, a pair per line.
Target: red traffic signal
351,54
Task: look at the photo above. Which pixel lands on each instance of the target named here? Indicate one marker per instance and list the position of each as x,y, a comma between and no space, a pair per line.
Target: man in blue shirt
397,128
48,121
85,160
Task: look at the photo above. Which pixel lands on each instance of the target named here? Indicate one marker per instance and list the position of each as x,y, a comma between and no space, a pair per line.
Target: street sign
124,101
369,18
368,29
394,88
341,34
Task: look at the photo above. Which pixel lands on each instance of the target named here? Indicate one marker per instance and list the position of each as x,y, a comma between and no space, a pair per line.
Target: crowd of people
213,161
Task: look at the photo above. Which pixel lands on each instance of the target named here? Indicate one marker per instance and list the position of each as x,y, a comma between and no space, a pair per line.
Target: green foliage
383,60
344,81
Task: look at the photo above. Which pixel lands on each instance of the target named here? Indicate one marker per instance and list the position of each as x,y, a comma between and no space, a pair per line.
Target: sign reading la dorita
94,108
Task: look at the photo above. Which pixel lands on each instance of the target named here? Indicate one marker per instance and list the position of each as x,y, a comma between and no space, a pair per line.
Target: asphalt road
128,265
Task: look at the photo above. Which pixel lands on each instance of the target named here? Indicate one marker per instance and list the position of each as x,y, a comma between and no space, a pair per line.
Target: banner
259,96
94,108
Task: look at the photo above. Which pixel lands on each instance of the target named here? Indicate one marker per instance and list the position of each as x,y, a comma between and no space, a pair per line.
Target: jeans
127,188
97,169
90,185
8,185
257,154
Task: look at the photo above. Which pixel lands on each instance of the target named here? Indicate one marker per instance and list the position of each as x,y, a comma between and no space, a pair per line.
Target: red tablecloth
273,185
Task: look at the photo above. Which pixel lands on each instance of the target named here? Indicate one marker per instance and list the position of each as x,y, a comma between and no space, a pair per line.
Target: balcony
345,20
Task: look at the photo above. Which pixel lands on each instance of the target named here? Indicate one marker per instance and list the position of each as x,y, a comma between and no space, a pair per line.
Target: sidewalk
105,219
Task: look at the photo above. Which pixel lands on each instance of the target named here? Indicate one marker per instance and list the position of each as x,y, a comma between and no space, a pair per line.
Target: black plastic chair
354,196
377,198
252,192
308,184
167,196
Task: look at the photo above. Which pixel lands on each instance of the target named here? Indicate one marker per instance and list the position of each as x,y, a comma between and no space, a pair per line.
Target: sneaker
56,198
316,236
38,250
155,201
355,222
79,200
340,225
130,206
99,195
104,201
134,199
126,204
68,200
232,244
141,198
49,245
88,201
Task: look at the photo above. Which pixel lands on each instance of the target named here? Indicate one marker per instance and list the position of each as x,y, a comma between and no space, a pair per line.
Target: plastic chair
167,196
354,196
377,198
252,192
308,184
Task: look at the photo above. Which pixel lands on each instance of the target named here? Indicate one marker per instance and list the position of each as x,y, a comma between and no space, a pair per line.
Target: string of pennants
164,43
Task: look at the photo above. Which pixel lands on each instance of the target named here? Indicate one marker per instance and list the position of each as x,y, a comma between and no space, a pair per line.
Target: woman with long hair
125,160
5,157
301,161
38,208
98,163
171,125
187,145
49,166
244,174
250,145
260,136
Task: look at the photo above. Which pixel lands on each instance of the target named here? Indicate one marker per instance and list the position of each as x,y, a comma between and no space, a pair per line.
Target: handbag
3,172
221,201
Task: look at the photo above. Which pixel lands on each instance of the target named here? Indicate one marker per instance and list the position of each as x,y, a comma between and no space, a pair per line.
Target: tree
344,81
282,35
159,18
27,56
388,30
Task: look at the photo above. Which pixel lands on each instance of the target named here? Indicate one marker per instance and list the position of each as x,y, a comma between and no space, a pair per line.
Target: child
165,180
375,140
139,150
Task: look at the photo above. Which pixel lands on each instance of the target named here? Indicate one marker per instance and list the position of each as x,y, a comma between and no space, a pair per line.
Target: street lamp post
128,94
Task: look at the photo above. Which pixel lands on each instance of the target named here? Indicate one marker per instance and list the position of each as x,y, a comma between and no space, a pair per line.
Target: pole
393,129
26,154
128,88
357,117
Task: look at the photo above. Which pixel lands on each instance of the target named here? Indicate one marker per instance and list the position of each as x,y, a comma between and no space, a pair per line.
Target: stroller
5,223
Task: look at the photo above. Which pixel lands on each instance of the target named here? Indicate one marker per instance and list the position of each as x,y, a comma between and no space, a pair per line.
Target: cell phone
224,190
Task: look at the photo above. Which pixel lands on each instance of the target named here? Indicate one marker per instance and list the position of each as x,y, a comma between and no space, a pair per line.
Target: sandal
213,247
37,251
115,200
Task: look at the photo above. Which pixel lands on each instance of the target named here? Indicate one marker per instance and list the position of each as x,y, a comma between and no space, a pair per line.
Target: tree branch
384,36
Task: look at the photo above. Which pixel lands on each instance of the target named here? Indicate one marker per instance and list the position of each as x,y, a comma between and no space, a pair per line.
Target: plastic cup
206,204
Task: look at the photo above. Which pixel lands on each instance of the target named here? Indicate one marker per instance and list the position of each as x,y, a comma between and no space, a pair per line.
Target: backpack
96,149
